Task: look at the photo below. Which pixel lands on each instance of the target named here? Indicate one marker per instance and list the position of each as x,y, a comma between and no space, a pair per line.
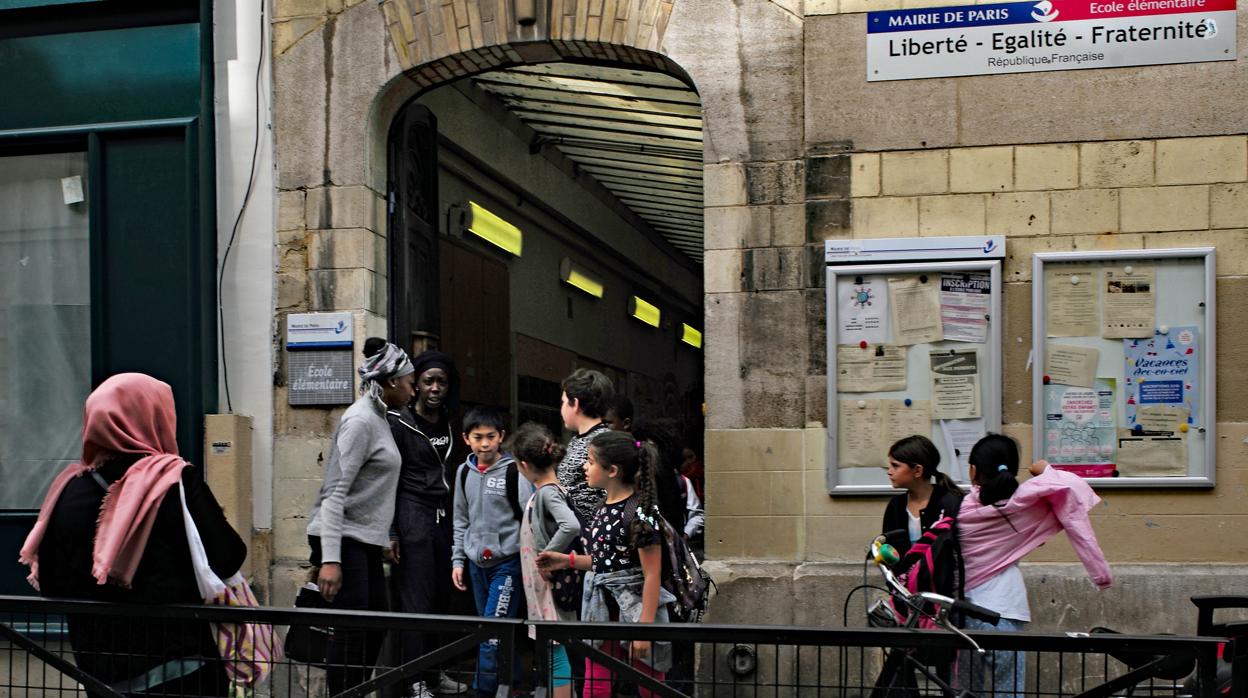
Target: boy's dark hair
591,390
484,416
536,446
995,458
620,405
637,461
919,450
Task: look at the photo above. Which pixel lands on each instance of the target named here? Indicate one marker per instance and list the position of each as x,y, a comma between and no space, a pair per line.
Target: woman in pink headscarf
111,529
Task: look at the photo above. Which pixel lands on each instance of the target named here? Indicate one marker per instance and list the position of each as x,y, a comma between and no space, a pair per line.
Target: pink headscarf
130,413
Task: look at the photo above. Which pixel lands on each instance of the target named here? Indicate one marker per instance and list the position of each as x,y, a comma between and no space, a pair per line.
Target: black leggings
352,653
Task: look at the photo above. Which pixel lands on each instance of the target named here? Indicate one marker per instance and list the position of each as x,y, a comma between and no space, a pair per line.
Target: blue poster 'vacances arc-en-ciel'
1163,370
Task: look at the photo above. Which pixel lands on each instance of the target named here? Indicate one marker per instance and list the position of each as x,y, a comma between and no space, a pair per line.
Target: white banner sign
1025,37
319,331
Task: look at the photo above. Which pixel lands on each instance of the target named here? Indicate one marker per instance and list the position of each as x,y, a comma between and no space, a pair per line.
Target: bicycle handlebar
883,555
988,616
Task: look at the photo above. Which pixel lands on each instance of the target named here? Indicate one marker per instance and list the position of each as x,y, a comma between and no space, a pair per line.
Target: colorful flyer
1163,371
1079,428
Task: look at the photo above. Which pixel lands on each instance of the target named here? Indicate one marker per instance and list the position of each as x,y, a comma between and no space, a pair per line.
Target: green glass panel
151,294
100,76
19,4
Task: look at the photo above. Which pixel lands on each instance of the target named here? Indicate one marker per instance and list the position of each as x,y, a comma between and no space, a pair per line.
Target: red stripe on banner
1074,10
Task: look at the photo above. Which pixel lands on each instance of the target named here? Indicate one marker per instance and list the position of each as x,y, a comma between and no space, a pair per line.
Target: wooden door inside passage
476,323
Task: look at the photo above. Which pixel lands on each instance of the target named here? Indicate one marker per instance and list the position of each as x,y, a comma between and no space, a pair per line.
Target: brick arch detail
440,40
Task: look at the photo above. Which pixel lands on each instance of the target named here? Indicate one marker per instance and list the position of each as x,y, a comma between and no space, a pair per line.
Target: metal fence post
1239,667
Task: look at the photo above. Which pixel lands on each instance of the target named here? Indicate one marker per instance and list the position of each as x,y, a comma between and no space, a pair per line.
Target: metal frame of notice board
1201,436
910,257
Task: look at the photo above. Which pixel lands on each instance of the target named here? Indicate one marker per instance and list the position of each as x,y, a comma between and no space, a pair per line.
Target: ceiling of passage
638,133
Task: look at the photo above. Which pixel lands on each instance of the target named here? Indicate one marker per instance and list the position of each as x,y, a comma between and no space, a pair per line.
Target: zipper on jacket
450,446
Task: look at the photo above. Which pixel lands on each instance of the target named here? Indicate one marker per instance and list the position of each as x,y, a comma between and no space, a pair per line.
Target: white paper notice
862,310
71,189
960,435
1072,300
964,302
859,435
902,420
874,369
915,304
1071,365
866,428
955,384
1130,302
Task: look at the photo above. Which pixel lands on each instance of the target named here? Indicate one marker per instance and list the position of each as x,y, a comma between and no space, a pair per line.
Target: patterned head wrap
390,362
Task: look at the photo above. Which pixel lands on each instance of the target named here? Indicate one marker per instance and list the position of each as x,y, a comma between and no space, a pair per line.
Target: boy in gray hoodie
489,504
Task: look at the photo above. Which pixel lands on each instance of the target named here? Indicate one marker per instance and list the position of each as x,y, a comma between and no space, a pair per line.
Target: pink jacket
993,537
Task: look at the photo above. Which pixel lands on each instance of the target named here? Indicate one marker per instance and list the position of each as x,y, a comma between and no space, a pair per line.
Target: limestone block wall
331,256
799,149
767,486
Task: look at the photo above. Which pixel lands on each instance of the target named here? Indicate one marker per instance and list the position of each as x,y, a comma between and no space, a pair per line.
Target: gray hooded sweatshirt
486,529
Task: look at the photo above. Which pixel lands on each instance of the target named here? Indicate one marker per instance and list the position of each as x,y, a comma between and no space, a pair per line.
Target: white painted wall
247,291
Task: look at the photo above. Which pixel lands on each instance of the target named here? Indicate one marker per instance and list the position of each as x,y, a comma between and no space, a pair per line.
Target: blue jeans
1001,673
499,593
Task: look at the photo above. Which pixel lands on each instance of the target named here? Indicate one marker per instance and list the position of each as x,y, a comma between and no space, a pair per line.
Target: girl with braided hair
549,523
625,566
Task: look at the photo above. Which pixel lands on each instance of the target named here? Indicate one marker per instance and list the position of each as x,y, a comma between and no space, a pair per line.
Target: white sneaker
448,686
420,690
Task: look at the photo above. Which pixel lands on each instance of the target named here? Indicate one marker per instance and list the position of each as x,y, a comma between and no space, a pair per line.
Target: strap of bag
210,585
99,480
513,490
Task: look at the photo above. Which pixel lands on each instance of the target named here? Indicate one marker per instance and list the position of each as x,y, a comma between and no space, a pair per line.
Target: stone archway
342,70
437,41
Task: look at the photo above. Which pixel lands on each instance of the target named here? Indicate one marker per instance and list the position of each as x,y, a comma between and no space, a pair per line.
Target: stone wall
799,149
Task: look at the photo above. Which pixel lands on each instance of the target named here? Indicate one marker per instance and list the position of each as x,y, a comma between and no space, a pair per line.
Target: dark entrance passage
546,218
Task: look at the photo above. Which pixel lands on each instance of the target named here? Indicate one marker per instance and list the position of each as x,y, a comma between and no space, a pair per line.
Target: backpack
567,585
933,564
682,575
513,487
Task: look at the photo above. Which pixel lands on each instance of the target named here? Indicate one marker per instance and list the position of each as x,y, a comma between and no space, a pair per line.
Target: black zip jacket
950,570
425,475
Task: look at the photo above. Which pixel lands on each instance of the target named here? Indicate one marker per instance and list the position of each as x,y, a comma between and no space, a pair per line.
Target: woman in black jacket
429,443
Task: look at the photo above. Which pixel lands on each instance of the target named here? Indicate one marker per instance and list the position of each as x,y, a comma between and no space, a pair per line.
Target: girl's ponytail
995,458
644,525
940,479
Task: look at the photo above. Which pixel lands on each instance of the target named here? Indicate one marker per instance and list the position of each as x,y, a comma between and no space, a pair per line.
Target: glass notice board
914,347
1123,386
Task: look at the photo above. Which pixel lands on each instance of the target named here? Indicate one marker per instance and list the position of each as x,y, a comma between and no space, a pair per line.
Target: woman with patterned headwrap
349,529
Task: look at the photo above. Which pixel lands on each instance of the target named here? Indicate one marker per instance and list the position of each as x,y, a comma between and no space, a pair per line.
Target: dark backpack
513,487
682,575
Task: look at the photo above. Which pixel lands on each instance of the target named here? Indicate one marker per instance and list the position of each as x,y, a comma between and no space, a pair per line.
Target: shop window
45,321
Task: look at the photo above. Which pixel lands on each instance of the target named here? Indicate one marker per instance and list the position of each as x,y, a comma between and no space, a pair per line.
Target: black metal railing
54,647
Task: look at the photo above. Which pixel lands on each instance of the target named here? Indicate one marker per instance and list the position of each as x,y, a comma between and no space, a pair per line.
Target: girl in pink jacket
1000,522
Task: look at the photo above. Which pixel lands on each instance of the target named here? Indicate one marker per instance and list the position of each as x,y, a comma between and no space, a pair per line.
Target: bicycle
900,664
897,675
